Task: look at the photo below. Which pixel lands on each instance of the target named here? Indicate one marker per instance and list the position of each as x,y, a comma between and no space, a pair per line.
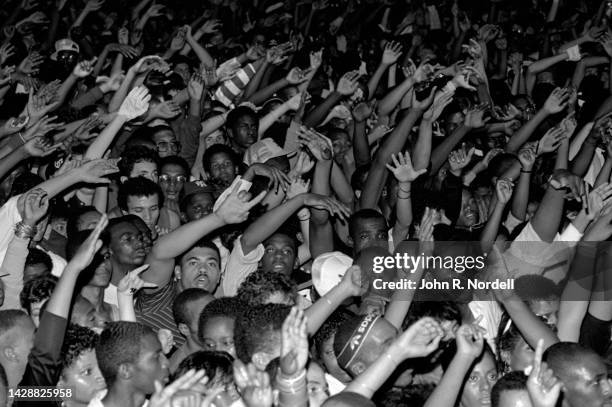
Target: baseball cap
328,269
196,187
263,150
64,44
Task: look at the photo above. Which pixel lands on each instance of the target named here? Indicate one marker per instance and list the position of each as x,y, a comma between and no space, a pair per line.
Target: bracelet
525,172
24,231
403,197
21,137
403,190
290,380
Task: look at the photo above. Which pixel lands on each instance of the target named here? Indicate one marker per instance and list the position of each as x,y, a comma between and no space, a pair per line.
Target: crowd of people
197,195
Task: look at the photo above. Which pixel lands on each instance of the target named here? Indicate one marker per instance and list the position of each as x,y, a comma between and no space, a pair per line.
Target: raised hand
470,340
165,110
392,52
349,83
474,49
597,200
363,111
41,127
302,165
131,282
93,5
462,79
319,145
29,65
255,52
542,385
36,205
84,68
474,118
195,88
601,227
420,339
527,157
7,50
557,101
236,206
278,179
85,253
402,168
460,158
564,180
503,190
297,187
551,140
40,147
441,100
328,204
294,343
111,84
227,70
316,59
95,171
135,104
297,76
165,396
209,76
423,72
352,282
146,63
253,385
154,11
178,41
210,27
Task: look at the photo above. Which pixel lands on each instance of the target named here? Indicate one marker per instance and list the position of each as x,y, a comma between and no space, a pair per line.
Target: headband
350,350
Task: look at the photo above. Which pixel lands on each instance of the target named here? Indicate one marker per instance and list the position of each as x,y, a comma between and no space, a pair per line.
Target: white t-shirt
528,254
239,266
491,316
9,217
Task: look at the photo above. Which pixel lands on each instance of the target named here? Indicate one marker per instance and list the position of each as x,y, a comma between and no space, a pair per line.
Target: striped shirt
155,310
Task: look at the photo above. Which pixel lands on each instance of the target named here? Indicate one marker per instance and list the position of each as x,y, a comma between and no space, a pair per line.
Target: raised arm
470,342
419,340
235,209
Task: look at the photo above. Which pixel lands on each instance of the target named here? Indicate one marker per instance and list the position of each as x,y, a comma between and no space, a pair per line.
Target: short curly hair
257,288
230,307
119,343
217,365
77,340
138,186
136,154
180,306
254,329
37,290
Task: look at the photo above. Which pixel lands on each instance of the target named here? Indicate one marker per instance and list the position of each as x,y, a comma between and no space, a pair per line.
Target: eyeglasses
164,146
170,178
